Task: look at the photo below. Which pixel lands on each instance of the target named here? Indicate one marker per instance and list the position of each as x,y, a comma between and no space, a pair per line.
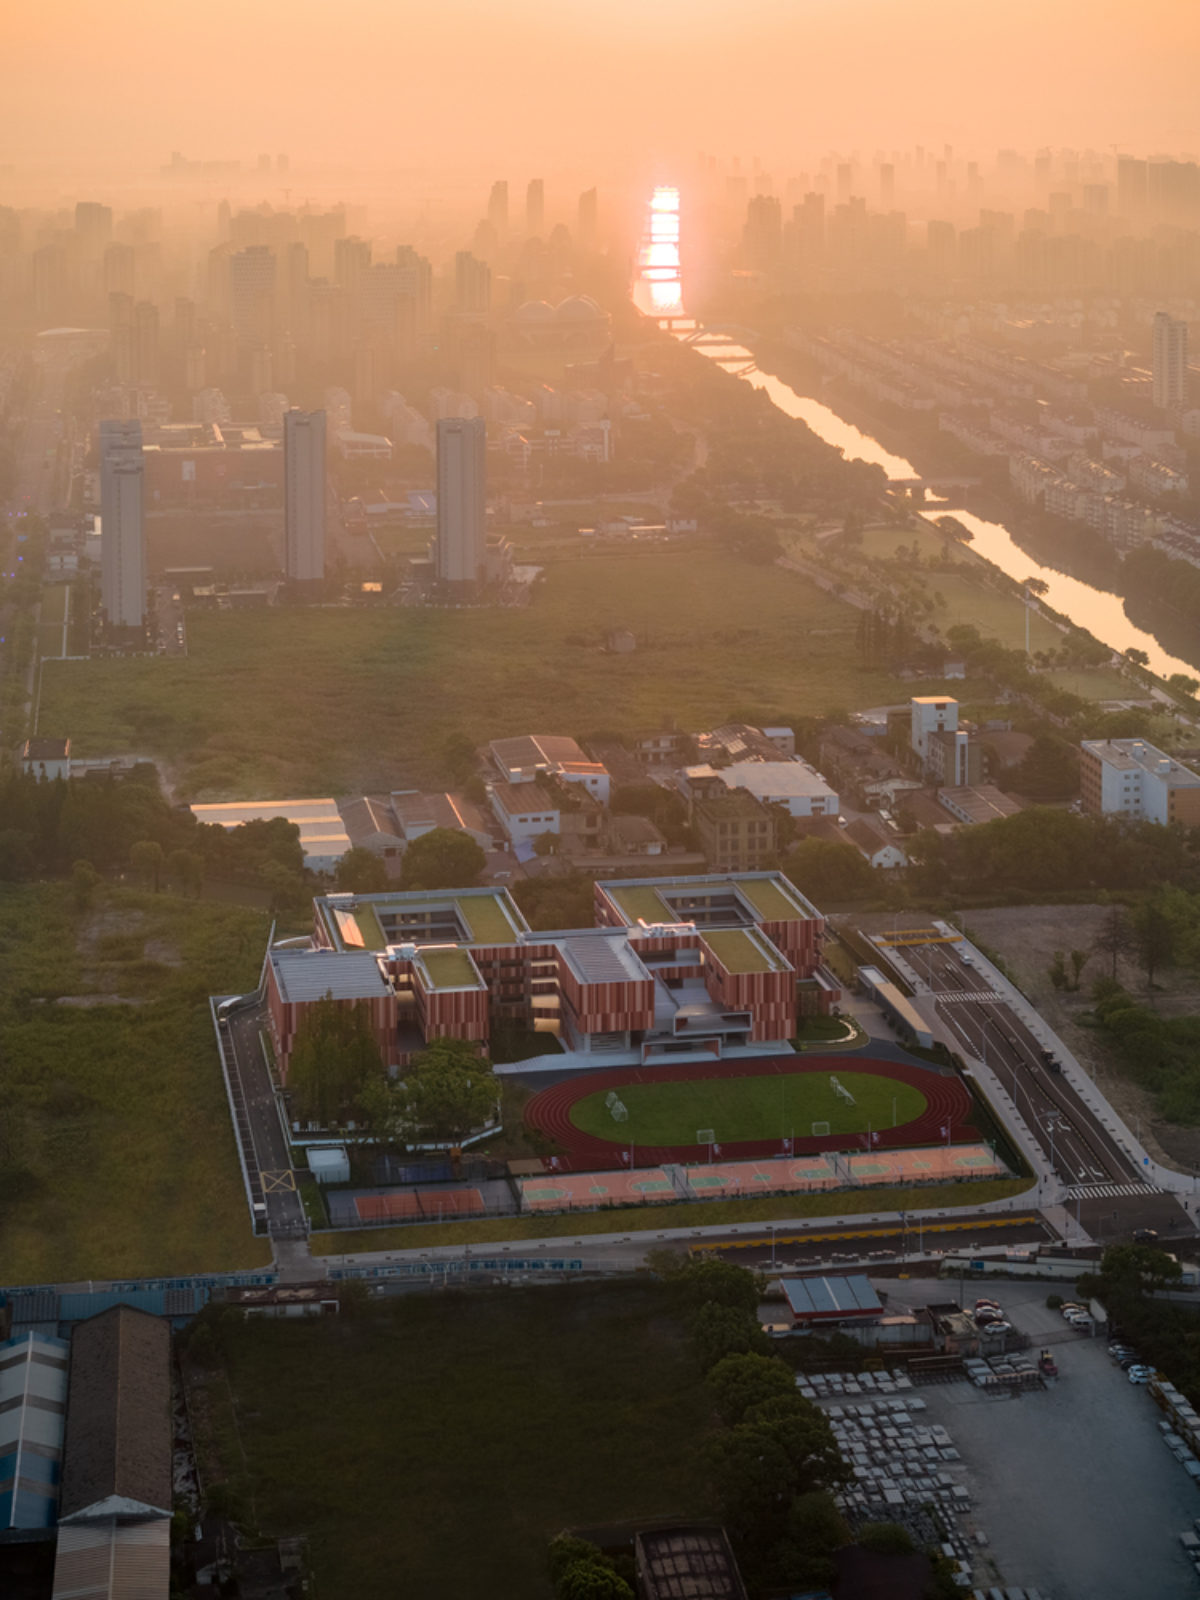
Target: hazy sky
396,83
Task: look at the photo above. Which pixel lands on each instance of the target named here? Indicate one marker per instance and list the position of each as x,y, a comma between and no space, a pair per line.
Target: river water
1102,614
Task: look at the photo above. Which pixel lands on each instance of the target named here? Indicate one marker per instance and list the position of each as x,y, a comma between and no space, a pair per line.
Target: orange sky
385,83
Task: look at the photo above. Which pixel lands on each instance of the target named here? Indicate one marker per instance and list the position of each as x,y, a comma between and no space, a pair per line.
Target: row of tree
337,1077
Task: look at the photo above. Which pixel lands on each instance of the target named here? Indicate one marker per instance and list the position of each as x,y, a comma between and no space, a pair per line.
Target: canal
1101,613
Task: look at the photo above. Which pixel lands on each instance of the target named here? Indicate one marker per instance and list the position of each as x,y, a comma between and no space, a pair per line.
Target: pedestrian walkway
1109,1191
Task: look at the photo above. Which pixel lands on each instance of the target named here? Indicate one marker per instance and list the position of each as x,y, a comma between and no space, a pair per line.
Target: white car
1140,1374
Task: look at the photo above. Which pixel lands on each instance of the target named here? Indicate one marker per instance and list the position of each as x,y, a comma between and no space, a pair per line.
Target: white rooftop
322,830
770,779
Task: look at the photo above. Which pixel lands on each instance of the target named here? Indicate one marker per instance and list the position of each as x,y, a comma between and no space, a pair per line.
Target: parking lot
1072,1485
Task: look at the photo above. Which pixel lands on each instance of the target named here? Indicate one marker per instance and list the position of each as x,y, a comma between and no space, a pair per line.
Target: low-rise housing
46,759
532,755
735,830
973,803
798,788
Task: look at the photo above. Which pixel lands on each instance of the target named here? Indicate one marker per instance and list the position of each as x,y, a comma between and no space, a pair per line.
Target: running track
947,1104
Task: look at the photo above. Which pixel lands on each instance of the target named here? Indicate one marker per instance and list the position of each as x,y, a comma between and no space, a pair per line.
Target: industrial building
323,836
693,967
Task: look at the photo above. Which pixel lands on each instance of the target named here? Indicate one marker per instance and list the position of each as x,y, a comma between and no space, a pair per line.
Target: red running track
947,1105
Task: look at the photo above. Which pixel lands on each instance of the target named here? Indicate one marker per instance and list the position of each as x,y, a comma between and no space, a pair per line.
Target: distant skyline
623,85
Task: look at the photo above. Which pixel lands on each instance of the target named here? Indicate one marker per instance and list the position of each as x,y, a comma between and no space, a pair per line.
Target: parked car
985,1301
1140,1374
999,1327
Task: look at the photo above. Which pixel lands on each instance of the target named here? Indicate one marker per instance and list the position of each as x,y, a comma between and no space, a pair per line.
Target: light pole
772,1247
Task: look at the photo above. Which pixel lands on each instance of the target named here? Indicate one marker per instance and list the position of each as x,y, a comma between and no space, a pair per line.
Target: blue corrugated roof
831,1297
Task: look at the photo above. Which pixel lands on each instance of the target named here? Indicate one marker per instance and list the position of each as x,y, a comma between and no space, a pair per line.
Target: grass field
434,1445
763,1107
1102,683
997,615
693,1214
117,1157
328,701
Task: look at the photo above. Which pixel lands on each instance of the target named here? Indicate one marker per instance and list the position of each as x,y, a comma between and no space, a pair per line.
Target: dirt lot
1026,937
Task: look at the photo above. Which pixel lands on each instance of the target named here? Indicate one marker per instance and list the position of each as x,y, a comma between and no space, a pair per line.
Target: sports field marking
767,1106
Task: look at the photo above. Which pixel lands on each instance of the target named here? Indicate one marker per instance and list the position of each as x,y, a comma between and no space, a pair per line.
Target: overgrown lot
117,1156
326,701
432,1446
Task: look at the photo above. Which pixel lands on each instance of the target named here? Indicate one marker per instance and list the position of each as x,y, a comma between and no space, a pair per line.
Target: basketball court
586,1191
419,1205
932,1165
728,1178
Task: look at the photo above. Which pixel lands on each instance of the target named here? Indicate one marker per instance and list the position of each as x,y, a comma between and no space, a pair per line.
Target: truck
1047,1365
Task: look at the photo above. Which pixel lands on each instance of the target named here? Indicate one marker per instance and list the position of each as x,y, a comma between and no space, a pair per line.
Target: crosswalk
1110,1191
983,996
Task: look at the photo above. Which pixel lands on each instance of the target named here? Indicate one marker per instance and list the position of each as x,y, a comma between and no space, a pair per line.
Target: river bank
1171,645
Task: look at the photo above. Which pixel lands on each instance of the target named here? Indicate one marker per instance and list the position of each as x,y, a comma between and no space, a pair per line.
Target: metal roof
603,960
118,1440
832,1297
312,974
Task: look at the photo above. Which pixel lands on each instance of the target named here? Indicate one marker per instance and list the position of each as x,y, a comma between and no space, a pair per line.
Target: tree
1049,770
1154,937
718,1331
361,872
334,1056
1079,960
443,858
1115,937
885,1538
805,1434
84,879
1057,972
711,1280
449,1091
186,869
1137,658
752,1477
545,844
146,858
1182,684
826,869
740,1382
593,1580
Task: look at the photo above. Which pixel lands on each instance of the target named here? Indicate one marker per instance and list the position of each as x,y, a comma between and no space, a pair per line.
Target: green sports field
767,1106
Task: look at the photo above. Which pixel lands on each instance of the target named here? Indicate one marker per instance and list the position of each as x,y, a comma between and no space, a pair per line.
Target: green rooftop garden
450,969
370,927
769,900
644,902
738,951
486,919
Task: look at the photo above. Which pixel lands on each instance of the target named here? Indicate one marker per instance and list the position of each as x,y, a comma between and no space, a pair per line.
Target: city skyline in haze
623,86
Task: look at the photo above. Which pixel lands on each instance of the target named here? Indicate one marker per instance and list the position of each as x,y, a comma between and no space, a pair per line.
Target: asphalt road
1109,1196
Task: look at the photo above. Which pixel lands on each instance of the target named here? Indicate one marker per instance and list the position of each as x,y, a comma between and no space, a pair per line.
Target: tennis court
762,1177
419,1205
585,1191
930,1165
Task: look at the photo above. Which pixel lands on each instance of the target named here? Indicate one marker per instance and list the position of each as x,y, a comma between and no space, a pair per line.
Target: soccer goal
841,1091
618,1110
820,1130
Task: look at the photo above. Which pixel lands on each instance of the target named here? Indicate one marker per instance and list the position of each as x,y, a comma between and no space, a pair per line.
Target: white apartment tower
461,499
304,494
1170,362
122,524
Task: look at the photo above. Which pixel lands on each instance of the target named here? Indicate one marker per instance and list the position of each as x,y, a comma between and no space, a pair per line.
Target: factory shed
817,1301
